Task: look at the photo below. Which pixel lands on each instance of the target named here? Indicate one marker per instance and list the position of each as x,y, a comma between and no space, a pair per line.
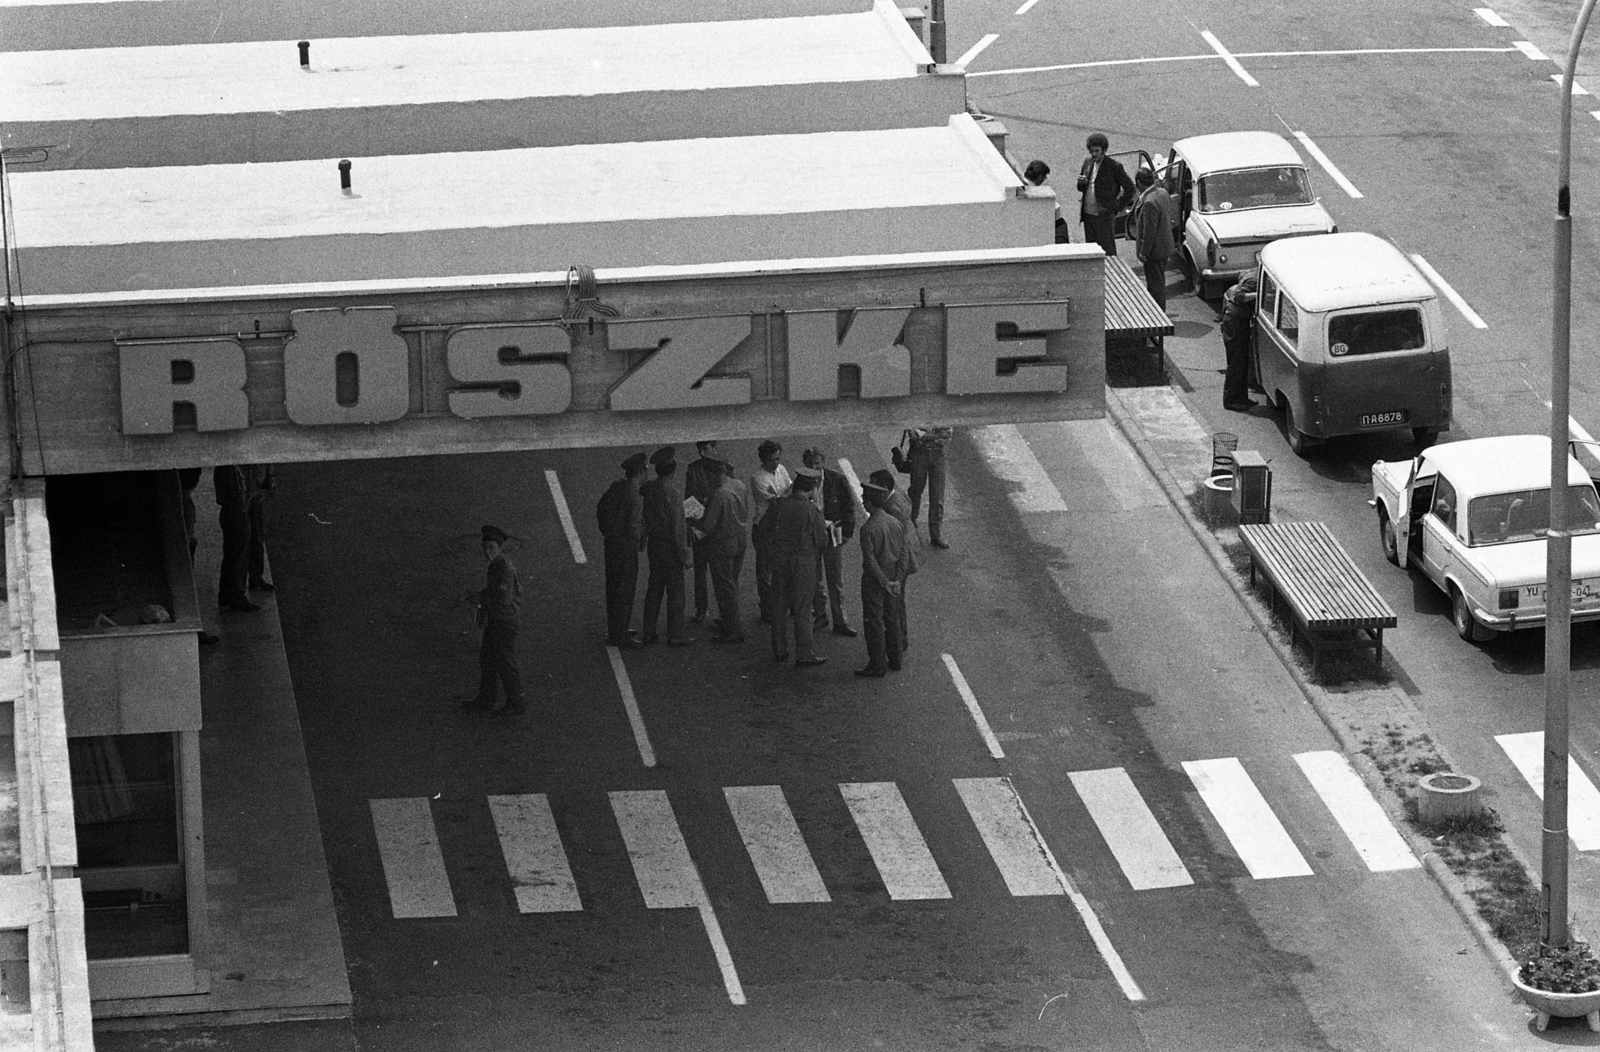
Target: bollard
305,54
344,176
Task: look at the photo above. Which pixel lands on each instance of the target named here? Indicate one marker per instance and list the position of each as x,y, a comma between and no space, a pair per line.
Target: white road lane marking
1015,845
1086,913
1025,8
565,513
1490,17
1583,800
1595,114
971,701
1243,54
647,755
897,848
1577,89
1449,293
977,49
1361,817
1130,830
1328,166
1260,840
1528,49
540,875
1227,56
1011,458
777,850
413,865
666,874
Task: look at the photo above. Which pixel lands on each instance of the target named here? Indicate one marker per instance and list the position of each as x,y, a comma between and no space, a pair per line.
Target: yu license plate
1585,591
1394,416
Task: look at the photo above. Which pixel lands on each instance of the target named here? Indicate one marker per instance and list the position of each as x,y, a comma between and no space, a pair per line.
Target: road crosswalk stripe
776,847
413,865
1012,841
535,858
1358,813
1583,800
660,858
666,874
1260,840
891,834
1131,832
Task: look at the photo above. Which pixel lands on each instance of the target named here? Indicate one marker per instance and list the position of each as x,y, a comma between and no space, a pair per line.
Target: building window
127,797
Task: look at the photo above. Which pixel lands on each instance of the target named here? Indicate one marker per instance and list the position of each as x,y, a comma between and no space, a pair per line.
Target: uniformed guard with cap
498,604
899,507
797,533
883,551
621,515
700,480
667,544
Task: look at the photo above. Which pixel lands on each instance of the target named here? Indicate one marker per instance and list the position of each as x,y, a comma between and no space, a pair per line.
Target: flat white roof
124,82
611,204
1324,272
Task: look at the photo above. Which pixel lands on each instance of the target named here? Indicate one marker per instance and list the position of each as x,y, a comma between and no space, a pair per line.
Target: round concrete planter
1445,796
1562,1006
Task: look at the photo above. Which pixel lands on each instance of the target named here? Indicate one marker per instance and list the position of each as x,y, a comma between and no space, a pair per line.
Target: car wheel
1299,442
1389,536
1425,436
1467,626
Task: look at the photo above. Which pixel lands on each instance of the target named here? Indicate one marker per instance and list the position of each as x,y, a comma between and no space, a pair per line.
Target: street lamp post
1558,547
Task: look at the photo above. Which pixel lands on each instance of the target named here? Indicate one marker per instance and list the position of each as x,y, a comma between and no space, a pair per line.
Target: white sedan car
1473,515
1234,192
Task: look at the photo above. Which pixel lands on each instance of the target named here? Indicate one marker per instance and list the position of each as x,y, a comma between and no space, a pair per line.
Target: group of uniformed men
797,523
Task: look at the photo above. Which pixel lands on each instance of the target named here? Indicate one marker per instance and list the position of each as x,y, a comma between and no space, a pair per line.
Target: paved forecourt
258,101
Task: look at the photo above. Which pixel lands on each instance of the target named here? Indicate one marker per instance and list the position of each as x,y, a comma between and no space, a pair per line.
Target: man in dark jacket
797,534
667,544
883,553
1238,322
233,515
725,529
1106,191
498,604
700,480
839,512
1152,233
621,515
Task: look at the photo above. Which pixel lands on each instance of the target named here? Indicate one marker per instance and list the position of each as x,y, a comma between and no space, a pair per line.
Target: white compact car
1235,192
1473,515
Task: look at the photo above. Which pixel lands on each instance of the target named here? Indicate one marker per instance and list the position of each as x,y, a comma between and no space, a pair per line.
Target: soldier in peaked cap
896,504
498,603
882,553
798,533
621,516
700,480
667,543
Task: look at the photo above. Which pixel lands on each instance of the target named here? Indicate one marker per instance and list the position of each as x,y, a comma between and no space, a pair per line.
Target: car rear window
1254,188
1524,515
1376,331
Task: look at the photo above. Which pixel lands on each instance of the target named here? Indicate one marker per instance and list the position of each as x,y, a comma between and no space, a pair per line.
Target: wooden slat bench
1329,596
1135,323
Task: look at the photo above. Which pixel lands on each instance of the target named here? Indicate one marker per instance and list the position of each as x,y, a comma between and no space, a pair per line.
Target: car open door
1402,513
1132,160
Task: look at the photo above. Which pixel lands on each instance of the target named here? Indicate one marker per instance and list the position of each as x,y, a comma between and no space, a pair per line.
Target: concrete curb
1452,886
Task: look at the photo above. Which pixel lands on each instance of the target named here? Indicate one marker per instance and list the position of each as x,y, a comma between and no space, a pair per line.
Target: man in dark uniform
497,616
258,484
839,510
798,534
927,472
233,514
899,508
700,480
621,515
667,544
725,529
1238,323
883,551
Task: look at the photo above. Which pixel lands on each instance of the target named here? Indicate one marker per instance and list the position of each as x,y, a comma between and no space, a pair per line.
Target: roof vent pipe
305,54
344,176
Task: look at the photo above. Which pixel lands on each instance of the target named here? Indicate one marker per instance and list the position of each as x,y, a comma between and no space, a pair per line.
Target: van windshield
1254,188
1376,331
1525,515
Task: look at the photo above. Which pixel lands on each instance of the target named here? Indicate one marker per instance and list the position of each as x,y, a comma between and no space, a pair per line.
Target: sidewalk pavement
275,951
